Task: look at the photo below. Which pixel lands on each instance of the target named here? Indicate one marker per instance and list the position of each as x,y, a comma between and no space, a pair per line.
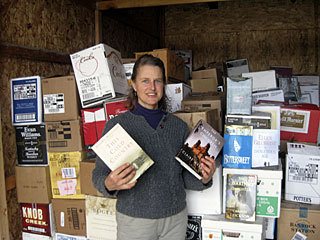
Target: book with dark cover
117,147
203,141
241,192
31,145
194,228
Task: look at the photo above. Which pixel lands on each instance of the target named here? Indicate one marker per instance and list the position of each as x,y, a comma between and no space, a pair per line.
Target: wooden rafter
118,4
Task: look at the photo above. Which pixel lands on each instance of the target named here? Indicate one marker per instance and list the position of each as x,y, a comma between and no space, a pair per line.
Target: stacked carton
32,171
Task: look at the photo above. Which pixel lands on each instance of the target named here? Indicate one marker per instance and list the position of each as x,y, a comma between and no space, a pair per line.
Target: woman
154,206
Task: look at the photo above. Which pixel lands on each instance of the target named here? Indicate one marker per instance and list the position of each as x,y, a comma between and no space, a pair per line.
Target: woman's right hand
119,178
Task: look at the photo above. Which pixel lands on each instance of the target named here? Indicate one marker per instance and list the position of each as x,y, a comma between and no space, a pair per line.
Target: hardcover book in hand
117,147
203,141
241,191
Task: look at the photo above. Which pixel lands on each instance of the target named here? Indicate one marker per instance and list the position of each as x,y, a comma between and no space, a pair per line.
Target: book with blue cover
26,101
237,150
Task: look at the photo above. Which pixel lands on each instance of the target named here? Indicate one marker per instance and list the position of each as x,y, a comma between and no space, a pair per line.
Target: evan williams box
37,218
99,74
31,145
60,99
64,136
300,123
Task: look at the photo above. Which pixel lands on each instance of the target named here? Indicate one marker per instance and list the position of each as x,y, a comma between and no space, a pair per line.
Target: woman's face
149,86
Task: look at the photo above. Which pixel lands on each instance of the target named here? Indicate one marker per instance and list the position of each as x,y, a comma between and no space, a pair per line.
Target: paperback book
117,147
203,141
241,191
237,151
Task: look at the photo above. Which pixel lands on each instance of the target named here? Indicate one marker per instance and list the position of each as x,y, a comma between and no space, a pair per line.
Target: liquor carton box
33,184
262,80
65,174
128,68
239,95
208,201
64,136
299,217
237,67
114,107
193,117
268,189
174,65
101,218
99,74
198,102
60,98
175,93
300,123
272,95
26,101
270,229
61,236
218,228
86,168
37,218
31,236
302,179
31,145
93,122
70,216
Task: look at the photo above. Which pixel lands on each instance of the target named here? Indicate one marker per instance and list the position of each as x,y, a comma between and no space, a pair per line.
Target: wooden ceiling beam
120,4
9,50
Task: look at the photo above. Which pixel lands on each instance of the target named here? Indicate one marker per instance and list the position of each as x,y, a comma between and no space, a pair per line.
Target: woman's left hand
208,168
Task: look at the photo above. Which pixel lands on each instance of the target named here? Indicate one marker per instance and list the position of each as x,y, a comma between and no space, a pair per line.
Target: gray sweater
160,191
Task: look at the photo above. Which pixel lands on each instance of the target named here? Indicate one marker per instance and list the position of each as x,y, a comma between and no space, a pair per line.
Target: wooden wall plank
4,226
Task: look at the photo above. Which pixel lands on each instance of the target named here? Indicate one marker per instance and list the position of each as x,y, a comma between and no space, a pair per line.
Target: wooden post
4,226
98,26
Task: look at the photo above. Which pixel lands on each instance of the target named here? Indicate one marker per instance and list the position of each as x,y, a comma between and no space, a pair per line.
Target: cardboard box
300,123
174,65
302,173
208,201
60,99
128,68
33,184
115,107
272,95
192,118
299,217
101,218
26,101
31,145
218,228
70,216
186,55
201,102
93,122
237,67
31,236
203,85
175,93
61,236
239,95
270,229
64,136
262,80
207,73
99,74
87,188
65,174
268,190
37,218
